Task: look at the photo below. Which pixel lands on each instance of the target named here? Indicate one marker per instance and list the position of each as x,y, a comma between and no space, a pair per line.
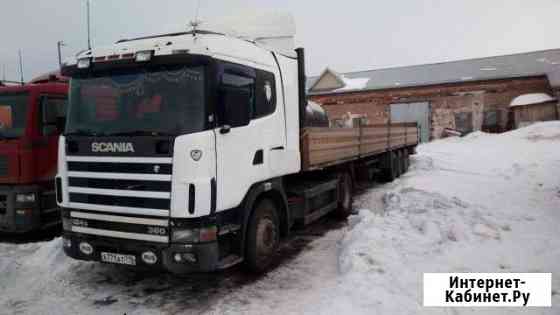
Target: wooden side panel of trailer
323,147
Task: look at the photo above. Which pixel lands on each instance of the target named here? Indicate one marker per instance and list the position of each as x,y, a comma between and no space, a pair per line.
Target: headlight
25,197
207,234
185,235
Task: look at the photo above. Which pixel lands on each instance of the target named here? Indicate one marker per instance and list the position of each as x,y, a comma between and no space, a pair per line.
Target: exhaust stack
301,86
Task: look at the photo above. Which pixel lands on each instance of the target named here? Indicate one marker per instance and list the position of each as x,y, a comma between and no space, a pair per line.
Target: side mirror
236,105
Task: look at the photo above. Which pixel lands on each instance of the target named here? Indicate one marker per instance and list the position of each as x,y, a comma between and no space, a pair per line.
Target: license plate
118,259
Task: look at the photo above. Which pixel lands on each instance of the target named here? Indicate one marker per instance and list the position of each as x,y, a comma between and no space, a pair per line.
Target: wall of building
525,115
484,102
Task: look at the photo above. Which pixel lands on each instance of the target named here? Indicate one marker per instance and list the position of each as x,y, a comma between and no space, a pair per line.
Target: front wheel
263,236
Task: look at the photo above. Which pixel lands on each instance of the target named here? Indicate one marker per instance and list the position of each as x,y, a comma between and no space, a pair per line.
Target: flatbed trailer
325,147
334,159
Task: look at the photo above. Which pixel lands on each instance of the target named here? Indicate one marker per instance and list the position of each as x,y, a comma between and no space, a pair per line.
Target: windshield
13,113
167,100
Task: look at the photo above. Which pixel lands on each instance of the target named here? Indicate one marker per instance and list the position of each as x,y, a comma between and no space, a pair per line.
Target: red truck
32,116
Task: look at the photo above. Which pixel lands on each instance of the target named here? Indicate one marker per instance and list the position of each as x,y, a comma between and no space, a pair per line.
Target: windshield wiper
141,133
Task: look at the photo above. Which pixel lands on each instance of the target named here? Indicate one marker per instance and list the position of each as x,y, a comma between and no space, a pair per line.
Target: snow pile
533,98
483,203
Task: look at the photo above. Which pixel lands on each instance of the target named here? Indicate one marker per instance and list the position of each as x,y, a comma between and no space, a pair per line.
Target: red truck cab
32,116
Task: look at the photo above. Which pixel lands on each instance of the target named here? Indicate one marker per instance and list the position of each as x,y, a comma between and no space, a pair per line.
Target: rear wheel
389,166
345,197
263,236
406,160
399,162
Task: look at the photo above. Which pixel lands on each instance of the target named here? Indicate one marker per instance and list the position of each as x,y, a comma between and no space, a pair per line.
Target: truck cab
32,116
170,140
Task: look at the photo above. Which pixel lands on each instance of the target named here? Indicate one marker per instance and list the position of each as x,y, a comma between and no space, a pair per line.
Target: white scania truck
192,152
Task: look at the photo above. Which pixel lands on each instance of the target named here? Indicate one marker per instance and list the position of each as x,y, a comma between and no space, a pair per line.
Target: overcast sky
348,35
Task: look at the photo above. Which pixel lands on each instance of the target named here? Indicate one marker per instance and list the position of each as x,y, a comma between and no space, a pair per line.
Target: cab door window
237,99
53,114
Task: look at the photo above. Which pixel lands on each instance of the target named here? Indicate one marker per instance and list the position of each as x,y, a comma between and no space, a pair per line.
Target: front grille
120,197
129,168
133,184
115,200
3,165
122,184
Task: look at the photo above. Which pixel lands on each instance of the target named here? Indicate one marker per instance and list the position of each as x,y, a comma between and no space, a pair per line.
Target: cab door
52,118
247,131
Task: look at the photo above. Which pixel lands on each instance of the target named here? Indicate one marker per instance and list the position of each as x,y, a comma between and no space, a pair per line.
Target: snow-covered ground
483,203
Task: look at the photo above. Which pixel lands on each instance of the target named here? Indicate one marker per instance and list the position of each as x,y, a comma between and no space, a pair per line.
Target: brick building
462,96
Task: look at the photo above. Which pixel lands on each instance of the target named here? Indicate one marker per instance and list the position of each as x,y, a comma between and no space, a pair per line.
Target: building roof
536,63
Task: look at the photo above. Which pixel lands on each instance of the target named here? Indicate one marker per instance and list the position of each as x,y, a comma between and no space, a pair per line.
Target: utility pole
59,46
21,67
88,24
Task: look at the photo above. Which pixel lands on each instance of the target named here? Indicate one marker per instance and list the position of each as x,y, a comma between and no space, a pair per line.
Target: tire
406,160
399,162
263,236
345,197
389,170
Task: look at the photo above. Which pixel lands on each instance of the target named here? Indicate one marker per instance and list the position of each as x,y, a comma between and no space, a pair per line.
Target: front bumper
25,217
207,254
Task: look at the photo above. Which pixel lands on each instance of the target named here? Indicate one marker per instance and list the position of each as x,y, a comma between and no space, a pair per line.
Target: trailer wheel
263,236
399,163
406,160
389,167
345,197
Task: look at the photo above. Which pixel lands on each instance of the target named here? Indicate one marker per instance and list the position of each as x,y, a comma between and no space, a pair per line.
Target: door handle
225,129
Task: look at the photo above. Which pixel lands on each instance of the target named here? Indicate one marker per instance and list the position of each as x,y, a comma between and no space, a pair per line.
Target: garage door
413,112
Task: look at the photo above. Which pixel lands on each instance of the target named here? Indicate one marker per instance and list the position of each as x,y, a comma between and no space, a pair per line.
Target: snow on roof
531,99
538,63
353,84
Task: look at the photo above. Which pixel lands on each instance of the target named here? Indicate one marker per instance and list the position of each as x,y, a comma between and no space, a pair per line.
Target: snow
351,84
533,98
481,203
